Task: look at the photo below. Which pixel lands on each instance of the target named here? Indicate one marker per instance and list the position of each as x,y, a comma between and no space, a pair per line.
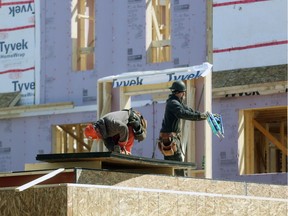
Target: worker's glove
122,144
204,115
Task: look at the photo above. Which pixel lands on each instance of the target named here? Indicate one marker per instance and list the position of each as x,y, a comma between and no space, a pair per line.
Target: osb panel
181,184
211,186
109,201
40,201
168,204
187,205
50,200
275,191
152,182
85,200
278,208
127,202
9,99
148,203
103,177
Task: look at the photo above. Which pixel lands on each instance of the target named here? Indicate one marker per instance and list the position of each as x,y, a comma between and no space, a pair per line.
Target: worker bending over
118,130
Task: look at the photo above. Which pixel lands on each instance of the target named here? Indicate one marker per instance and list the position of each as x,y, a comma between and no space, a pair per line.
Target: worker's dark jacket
176,110
114,123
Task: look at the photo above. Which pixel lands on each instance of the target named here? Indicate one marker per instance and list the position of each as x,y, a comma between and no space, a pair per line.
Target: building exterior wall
246,34
249,34
119,26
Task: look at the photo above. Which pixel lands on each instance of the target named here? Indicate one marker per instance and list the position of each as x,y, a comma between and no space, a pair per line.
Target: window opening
158,31
263,146
83,34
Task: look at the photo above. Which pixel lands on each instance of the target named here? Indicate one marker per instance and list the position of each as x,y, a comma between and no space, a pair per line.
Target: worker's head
91,133
178,88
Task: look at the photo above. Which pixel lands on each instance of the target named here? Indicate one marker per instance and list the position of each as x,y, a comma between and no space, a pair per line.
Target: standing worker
118,130
169,142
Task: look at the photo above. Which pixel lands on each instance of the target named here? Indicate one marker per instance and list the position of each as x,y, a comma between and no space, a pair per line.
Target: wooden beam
74,136
267,134
249,144
125,101
268,156
161,43
190,130
81,35
106,97
54,165
282,138
147,89
32,108
208,92
241,143
156,24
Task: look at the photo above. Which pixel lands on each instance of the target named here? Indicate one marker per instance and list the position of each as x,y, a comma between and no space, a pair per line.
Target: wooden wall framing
83,34
263,140
69,138
158,14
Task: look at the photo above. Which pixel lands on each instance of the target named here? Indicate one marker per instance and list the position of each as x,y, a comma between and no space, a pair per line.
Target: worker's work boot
117,149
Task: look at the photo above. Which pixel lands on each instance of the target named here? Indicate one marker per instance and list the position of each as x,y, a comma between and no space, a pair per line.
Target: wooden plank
160,43
190,131
249,144
9,99
81,36
267,146
267,134
147,89
114,160
282,138
76,137
110,161
32,108
156,24
106,97
65,164
241,143
207,91
125,100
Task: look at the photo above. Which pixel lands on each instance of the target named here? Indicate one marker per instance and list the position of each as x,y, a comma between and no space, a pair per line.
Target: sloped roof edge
248,76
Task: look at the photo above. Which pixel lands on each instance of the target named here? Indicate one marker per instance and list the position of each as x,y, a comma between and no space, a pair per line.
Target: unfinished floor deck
109,161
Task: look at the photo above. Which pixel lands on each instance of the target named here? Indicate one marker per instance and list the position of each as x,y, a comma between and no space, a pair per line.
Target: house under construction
64,64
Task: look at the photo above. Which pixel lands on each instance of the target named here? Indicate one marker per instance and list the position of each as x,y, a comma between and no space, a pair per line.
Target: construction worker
118,130
169,141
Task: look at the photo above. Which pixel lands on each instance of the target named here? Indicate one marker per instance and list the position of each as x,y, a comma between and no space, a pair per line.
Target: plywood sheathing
150,181
163,182
77,199
9,99
35,201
